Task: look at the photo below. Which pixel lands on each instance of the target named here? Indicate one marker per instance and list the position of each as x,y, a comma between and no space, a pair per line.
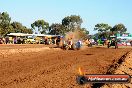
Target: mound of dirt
124,68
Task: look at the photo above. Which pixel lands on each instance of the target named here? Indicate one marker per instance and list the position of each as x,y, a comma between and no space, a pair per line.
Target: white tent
39,35
127,38
19,34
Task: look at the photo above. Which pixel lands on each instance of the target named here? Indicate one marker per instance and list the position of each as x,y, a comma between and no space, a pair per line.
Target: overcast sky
53,11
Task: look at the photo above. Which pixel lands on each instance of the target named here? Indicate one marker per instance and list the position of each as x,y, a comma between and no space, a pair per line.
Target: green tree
57,29
119,28
72,22
26,30
103,30
102,27
85,31
41,26
82,33
19,28
4,23
7,27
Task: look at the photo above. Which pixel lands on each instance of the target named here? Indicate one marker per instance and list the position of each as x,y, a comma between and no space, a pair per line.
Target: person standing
78,44
4,41
131,43
15,40
70,42
58,41
1,41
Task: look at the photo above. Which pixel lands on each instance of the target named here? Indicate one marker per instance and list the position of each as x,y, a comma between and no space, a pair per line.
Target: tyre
116,46
67,47
78,48
81,80
108,45
73,47
90,45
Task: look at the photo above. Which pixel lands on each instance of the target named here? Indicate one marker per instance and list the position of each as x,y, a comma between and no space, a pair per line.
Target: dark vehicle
112,42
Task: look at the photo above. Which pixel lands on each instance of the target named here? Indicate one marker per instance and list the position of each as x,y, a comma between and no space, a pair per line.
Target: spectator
4,41
7,40
131,42
15,40
55,41
58,41
1,41
78,44
46,41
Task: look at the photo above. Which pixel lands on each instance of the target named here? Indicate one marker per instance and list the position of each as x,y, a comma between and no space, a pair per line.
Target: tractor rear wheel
116,46
108,45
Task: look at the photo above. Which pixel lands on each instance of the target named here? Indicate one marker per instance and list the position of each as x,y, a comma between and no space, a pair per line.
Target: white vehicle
30,40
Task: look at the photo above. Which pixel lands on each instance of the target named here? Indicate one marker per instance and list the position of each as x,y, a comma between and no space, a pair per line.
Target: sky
92,12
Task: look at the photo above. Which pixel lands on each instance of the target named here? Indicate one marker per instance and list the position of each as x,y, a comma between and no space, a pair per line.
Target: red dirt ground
53,68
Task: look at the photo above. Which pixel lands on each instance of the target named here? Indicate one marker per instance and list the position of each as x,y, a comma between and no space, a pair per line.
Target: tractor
74,46
113,42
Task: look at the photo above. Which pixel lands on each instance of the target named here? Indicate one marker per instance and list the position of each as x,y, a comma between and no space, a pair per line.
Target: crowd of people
12,40
23,40
59,41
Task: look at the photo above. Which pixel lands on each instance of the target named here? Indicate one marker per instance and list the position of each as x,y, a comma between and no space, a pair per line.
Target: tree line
105,30
6,26
68,24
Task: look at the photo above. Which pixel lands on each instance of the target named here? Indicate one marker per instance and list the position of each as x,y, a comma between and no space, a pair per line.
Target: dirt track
53,68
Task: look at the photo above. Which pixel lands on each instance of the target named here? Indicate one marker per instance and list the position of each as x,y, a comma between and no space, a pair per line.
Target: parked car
30,41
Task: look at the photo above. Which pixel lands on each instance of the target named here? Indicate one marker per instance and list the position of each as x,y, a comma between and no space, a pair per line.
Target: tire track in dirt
123,66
